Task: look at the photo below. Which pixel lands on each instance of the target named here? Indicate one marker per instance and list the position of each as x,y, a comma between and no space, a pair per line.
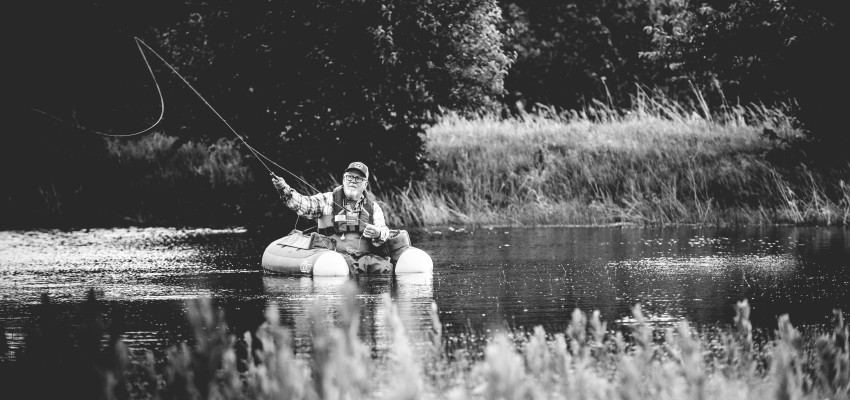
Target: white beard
351,193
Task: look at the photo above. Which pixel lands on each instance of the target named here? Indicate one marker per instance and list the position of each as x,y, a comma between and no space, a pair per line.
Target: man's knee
380,265
371,264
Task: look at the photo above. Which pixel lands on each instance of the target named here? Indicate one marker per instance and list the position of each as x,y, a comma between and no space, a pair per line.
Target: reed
661,162
161,180
158,162
585,361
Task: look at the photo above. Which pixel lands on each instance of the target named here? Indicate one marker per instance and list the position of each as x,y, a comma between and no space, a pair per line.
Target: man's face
353,183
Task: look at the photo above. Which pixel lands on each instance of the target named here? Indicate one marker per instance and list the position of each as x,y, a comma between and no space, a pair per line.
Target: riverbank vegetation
660,162
586,361
471,112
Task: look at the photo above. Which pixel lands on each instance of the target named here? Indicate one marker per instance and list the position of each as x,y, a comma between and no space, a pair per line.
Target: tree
318,84
312,84
761,51
571,52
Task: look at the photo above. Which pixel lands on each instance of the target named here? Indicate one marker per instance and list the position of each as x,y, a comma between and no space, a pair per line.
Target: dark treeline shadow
316,96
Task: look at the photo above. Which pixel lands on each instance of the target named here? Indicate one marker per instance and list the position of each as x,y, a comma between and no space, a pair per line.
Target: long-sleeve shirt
321,204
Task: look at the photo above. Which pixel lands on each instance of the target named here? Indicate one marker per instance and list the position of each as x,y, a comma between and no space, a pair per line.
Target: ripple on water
124,263
483,280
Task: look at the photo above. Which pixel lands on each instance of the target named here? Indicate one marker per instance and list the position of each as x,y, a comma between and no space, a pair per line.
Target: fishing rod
258,155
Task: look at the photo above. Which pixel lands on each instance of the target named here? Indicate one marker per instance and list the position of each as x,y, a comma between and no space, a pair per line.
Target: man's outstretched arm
311,207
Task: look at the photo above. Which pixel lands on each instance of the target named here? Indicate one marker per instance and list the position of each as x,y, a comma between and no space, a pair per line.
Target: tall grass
161,180
154,179
585,362
159,157
661,162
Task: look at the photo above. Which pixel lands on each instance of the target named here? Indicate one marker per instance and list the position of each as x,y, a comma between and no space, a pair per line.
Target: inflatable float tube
315,255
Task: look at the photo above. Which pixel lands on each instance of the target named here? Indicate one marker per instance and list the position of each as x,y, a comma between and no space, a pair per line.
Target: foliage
660,162
734,51
586,361
321,84
163,180
314,85
757,50
153,179
77,64
571,52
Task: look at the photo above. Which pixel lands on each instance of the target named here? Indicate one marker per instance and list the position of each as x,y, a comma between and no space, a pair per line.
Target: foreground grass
585,362
659,163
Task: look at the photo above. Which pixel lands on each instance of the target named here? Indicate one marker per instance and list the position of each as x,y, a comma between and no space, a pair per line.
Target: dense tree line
314,85
763,51
733,52
321,83
568,52
317,84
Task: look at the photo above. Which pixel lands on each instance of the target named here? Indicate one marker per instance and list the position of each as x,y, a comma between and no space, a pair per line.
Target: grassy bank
154,179
586,362
659,163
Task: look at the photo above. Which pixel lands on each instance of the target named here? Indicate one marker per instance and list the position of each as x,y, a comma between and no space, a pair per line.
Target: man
348,214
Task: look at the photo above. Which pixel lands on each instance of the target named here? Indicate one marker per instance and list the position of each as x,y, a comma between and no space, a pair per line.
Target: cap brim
357,170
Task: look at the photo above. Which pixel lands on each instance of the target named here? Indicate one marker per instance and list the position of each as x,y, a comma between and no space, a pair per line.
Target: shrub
759,50
323,83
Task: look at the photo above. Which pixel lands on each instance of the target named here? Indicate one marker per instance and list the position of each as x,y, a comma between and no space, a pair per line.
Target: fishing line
317,190
259,156
146,130
140,43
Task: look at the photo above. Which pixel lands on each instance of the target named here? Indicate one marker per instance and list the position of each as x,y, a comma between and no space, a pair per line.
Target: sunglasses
354,178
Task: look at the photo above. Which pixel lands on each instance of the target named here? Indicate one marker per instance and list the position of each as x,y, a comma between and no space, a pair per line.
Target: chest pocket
347,221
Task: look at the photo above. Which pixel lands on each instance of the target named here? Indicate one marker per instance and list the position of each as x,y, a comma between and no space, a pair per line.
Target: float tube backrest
301,240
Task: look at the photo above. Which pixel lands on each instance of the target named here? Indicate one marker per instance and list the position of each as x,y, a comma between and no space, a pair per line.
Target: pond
484,279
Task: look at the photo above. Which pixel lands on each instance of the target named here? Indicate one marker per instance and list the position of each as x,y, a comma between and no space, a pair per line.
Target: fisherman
348,214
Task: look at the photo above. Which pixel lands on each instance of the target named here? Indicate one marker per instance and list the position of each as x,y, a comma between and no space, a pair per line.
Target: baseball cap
359,166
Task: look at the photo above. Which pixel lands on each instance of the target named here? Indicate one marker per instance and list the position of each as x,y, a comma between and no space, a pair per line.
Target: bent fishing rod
259,156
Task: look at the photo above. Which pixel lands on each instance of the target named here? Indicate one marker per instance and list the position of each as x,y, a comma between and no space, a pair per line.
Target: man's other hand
371,231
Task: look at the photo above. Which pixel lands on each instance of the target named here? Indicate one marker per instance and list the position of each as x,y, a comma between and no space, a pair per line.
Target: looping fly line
142,46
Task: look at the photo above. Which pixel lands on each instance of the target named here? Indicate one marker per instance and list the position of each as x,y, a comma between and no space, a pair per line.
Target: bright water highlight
484,280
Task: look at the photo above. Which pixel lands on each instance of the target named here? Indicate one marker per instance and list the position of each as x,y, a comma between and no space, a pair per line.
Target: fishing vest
341,220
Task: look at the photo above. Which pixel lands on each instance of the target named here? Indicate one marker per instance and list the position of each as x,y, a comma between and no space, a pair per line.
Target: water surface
483,280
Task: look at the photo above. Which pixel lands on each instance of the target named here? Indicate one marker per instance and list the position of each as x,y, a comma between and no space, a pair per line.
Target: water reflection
483,280
294,297
525,277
